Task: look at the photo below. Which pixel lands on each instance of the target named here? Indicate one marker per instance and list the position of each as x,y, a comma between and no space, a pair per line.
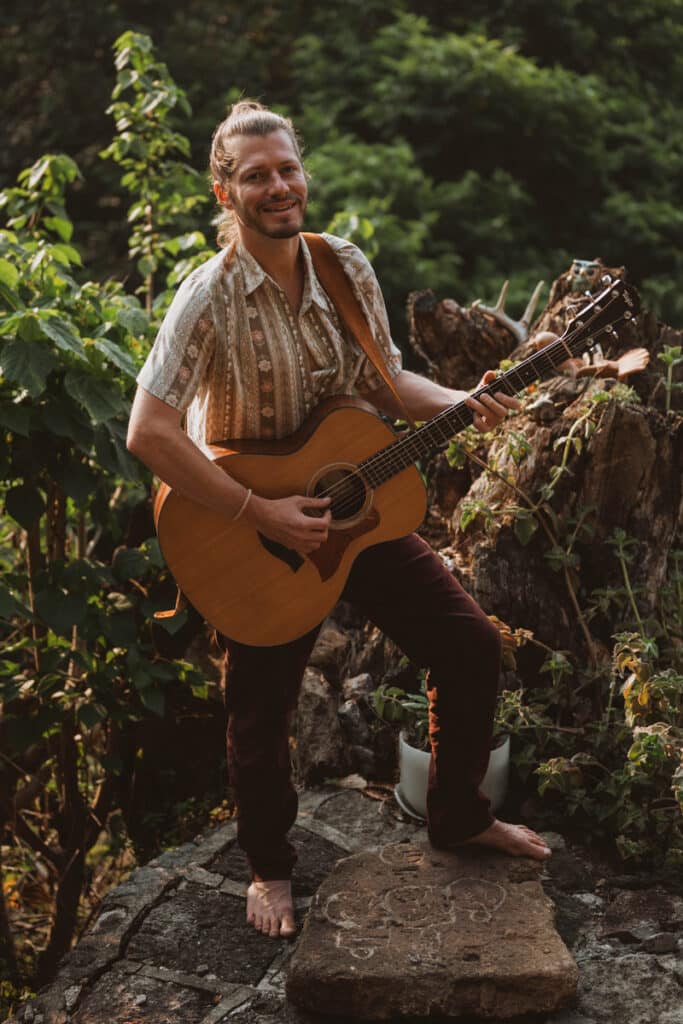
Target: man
250,345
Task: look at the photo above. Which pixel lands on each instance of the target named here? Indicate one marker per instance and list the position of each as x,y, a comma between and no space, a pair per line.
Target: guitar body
258,592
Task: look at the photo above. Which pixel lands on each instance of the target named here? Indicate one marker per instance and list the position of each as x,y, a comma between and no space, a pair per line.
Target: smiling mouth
280,207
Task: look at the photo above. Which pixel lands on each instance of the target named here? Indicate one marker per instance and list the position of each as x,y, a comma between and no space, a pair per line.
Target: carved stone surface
408,930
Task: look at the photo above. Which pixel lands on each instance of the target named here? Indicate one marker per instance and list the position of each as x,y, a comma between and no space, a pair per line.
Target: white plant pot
411,791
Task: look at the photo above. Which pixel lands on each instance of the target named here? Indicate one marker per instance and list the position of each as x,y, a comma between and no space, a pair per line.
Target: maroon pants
405,589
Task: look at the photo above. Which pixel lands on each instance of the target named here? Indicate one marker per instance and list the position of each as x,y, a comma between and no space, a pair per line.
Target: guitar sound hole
347,490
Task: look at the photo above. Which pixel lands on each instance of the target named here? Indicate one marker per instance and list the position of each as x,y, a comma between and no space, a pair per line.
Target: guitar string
348,499
388,457
348,503
542,360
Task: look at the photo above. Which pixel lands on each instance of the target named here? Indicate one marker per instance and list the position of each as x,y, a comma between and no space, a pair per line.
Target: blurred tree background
458,143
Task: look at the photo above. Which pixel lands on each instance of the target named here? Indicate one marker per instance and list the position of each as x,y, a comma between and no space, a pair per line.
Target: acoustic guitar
262,593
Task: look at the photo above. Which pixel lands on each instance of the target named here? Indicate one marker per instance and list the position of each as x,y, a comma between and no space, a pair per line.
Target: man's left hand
490,410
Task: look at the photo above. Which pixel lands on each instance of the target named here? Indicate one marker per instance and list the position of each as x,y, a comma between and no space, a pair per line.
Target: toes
266,924
288,927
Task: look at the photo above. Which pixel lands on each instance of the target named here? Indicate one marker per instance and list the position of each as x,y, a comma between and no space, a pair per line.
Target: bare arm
424,398
156,437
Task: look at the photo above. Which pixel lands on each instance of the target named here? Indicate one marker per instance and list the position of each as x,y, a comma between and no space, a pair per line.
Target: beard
260,222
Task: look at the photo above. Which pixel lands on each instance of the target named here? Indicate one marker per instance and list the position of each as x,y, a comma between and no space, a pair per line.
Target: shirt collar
313,290
255,275
252,271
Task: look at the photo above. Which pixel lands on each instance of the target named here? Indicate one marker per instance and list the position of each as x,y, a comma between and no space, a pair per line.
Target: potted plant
411,712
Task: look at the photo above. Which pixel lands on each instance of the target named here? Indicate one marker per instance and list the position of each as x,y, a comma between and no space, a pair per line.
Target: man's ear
221,194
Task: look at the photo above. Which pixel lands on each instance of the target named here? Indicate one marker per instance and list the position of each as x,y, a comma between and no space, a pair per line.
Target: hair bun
243,107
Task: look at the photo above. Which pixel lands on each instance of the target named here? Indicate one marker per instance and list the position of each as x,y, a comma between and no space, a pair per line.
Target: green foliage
499,123
671,356
607,750
475,509
166,191
399,707
80,671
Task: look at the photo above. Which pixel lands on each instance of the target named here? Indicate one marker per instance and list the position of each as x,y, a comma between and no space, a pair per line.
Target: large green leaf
92,714
10,297
154,700
117,355
77,480
10,606
66,254
9,274
133,319
27,364
59,610
102,401
61,420
120,629
60,331
63,228
112,454
10,323
25,504
131,563
16,418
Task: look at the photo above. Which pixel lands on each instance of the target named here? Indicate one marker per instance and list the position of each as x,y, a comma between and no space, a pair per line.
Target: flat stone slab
196,926
406,930
121,998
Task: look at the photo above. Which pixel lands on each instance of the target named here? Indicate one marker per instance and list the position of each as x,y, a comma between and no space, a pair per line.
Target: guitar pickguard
287,555
327,558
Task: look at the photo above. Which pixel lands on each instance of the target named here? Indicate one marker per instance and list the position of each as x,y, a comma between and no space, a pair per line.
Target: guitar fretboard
616,303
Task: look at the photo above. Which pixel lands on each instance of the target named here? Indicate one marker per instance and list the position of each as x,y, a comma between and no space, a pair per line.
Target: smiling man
250,345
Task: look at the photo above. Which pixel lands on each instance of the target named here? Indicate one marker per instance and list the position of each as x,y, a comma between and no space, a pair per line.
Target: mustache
280,199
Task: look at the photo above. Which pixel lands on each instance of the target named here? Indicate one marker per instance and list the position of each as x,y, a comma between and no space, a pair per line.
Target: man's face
268,191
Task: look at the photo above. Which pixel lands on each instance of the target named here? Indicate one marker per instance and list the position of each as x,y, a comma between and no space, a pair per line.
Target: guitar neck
613,305
436,433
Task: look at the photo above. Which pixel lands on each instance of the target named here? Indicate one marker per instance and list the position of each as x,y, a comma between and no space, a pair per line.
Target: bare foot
517,840
270,908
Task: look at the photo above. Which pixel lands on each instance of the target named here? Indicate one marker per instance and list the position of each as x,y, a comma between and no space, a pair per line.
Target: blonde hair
247,117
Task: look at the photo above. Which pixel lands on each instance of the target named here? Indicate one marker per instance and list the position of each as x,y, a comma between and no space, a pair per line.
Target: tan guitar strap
333,278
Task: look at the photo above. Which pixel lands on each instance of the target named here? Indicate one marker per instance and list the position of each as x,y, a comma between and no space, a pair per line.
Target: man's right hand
298,522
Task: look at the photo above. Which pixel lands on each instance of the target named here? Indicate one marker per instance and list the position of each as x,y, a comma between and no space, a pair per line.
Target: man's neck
279,257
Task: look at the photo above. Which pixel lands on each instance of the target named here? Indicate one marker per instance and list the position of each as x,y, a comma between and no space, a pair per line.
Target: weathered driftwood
628,472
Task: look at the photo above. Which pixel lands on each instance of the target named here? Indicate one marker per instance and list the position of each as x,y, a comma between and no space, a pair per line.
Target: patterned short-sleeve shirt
233,354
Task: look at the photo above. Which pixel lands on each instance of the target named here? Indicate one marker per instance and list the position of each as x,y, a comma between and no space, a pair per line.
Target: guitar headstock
617,303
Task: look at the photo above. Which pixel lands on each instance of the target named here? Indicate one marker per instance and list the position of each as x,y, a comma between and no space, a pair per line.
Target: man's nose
276,184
